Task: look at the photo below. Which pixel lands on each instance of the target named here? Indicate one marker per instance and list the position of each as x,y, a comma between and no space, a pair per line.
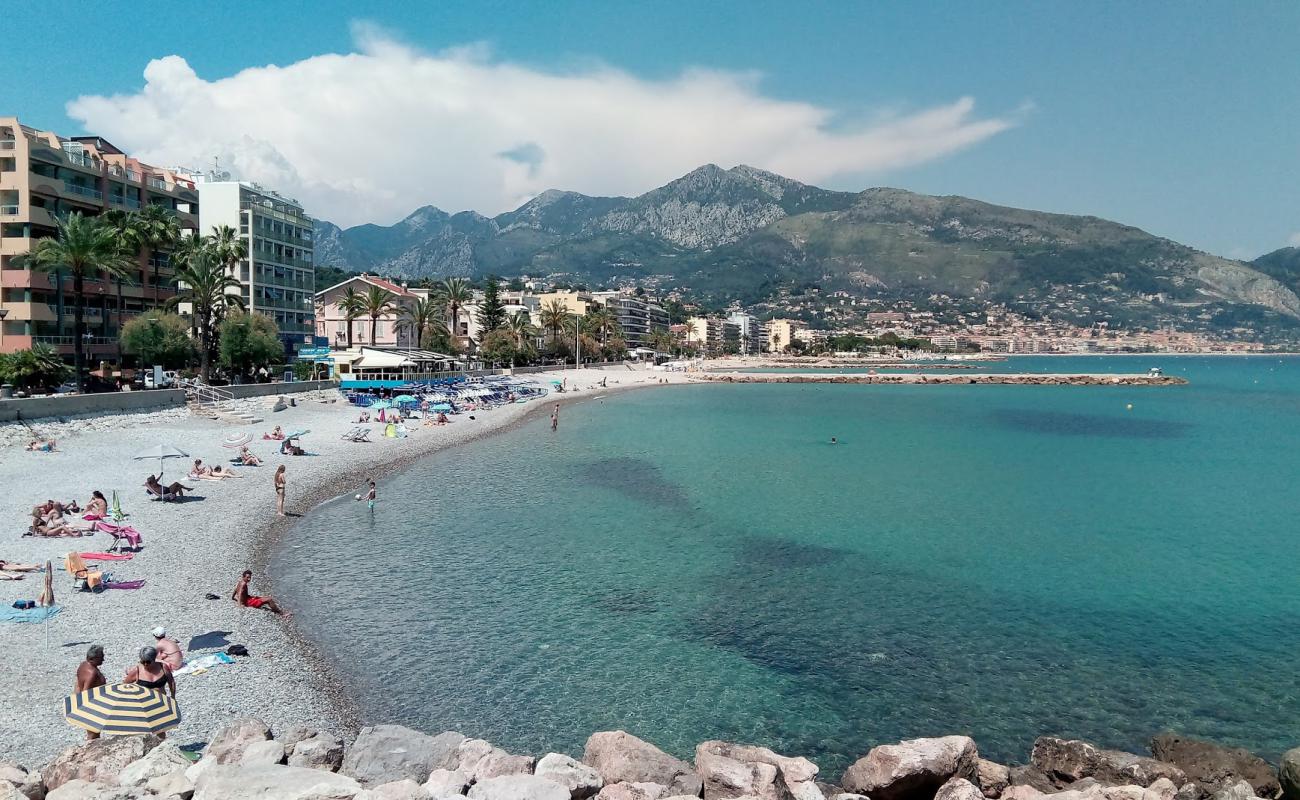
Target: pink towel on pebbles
107,556
124,531
123,584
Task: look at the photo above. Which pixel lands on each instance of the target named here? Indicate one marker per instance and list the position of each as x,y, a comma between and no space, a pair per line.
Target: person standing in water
555,418
370,497
279,491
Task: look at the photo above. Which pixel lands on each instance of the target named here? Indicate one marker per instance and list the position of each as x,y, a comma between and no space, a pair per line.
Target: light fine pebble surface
197,547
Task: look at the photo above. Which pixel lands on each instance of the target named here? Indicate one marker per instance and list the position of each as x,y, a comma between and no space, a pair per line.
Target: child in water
369,497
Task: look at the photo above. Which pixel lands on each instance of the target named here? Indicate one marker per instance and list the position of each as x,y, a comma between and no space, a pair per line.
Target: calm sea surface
699,562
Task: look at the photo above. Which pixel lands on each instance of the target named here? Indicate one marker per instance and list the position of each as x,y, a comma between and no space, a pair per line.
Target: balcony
8,144
88,340
84,191
129,202
80,160
125,174
9,210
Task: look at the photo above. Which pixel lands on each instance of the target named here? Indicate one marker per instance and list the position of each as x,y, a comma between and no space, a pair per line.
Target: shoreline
271,533
199,546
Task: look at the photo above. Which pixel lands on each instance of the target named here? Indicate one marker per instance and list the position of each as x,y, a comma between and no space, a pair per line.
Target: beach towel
107,556
123,584
38,614
203,664
127,532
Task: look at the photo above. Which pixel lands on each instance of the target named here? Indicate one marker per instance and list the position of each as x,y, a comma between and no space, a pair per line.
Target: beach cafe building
382,367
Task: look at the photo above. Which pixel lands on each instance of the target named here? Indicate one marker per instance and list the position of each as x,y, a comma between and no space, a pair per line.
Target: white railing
85,191
204,394
8,144
8,211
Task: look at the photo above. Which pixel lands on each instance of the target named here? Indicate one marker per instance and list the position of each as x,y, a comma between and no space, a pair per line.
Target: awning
373,359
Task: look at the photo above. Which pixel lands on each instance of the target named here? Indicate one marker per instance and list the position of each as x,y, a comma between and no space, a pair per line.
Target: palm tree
205,284
375,303
555,315
422,316
85,248
159,230
453,295
350,305
520,327
602,322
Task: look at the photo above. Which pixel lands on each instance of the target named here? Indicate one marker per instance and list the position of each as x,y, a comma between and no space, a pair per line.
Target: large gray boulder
1067,760
959,789
164,759
405,789
85,790
914,769
732,771
581,780
229,743
479,760
993,777
621,757
1214,766
1289,774
173,784
262,754
98,760
1029,776
322,751
446,782
640,790
227,782
518,787
391,752
1241,790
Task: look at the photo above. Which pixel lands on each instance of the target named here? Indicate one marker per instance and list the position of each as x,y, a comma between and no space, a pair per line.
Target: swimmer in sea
834,440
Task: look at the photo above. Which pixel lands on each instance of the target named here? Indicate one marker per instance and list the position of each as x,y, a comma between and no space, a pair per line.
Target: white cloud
369,136
1294,240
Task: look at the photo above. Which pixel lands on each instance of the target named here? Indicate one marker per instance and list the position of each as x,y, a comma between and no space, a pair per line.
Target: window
379,330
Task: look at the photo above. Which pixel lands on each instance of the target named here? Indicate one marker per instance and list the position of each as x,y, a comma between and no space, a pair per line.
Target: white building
278,277
751,332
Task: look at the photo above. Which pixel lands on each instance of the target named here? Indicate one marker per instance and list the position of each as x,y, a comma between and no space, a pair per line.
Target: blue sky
1180,118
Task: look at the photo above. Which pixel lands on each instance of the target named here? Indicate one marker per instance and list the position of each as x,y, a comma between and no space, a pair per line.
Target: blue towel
38,614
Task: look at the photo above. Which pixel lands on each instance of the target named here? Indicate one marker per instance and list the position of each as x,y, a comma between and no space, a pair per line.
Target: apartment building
780,333
278,277
752,337
43,177
636,315
714,336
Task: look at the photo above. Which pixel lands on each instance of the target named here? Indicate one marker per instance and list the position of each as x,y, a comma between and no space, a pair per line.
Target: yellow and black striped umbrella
120,709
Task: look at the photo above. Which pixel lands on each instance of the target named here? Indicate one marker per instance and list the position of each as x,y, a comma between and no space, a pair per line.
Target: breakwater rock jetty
915,379
246,759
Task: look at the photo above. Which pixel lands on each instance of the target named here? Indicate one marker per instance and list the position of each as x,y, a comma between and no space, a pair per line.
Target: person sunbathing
54,510
364,417
43,527
206,473
275,434
288,448
176,489
10,571
442,418
247,458
245,598
41,446
97,508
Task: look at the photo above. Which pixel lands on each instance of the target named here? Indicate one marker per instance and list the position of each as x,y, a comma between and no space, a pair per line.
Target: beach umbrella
405,398
160,452
121,709
440,407
298,434
236,440
378,404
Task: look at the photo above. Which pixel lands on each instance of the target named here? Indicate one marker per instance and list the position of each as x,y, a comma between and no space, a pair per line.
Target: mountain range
745,234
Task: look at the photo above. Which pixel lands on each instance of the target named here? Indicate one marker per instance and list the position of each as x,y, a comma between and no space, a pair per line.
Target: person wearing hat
169,650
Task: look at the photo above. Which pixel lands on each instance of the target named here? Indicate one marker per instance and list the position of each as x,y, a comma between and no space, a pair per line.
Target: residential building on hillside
751,332
278,277
637,316
44,177
714,336
578,303
780,333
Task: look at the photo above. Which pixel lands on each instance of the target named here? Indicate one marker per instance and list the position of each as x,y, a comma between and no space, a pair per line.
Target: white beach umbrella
160,452
236,440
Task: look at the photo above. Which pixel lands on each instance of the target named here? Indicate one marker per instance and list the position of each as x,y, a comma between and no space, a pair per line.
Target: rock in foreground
621,757
914,769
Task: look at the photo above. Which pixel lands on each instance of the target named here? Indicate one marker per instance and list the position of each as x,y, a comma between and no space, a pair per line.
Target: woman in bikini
44,527
279,491
152,674
97,508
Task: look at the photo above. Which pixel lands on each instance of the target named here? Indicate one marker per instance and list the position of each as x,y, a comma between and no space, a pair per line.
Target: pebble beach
199,547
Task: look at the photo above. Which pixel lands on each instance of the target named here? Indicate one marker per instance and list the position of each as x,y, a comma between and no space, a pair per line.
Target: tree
352,307
516,284
206,286
36,369
162,339
602,322
499,347
613,349
422,317
521,330
84,248
676,312
660,340
438,339
376,302
555,315
158,230
491,313
250,341
454,294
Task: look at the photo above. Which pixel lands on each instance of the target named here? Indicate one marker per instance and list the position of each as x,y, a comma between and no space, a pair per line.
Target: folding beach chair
83,578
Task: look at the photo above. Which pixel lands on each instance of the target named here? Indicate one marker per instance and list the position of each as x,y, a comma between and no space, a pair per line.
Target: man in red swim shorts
242,596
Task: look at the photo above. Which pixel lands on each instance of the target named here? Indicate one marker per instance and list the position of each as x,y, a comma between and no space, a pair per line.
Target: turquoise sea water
699,562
